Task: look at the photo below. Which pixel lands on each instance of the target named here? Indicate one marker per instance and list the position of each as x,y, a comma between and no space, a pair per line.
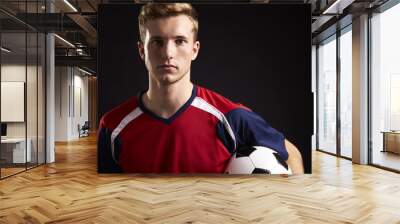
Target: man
175,126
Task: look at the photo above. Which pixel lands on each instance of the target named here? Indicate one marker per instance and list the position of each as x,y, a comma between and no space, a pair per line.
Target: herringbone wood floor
70,191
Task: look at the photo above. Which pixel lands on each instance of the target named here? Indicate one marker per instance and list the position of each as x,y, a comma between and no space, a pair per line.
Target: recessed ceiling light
70,5
338,6
5,50
84,71
64,40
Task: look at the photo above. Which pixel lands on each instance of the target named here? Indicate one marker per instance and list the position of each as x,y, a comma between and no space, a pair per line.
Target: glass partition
327,95
41,87
22,90
33,72
385,88
13,110
346,93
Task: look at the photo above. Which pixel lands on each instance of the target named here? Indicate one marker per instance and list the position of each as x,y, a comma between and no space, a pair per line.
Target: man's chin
167,79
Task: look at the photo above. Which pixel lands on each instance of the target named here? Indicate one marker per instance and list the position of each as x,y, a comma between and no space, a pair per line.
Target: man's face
169,48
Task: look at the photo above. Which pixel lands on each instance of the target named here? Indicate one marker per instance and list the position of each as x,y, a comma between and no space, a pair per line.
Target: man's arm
252,130
295,161
105,161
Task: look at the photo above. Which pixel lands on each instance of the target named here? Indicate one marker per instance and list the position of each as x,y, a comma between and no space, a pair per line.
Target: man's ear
196,48
141,49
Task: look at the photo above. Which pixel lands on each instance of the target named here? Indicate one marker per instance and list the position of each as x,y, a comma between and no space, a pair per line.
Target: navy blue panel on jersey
105,162
252,130
226,139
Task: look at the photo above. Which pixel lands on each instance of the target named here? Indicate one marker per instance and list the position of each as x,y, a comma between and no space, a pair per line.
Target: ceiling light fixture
64,40
338,6
84,71
79,51
70,5
5,50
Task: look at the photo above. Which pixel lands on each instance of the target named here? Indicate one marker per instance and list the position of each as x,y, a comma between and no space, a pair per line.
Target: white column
360,90
50,93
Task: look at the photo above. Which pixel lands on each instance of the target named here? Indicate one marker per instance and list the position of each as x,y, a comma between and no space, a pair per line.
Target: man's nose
168,50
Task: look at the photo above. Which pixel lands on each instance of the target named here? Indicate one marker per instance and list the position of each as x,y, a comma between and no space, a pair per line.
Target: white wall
314,90
79,104
71,102
13,73
61,103
33,126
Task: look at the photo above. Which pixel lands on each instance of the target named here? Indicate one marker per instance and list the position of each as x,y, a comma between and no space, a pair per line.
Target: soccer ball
257,160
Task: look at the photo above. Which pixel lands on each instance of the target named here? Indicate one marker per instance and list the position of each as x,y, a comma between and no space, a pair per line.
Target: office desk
13,150
391,141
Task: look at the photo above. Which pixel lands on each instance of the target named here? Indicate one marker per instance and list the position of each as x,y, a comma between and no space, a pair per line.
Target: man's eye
180,41
157,42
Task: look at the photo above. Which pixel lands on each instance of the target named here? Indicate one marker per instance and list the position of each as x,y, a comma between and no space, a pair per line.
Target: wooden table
391,141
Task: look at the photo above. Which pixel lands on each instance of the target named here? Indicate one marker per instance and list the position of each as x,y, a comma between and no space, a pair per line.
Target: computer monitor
3,129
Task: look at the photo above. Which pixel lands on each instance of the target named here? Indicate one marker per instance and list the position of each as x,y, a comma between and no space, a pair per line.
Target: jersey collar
175,115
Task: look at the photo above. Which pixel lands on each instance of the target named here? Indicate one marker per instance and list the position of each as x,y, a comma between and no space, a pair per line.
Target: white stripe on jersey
197,102
127,119
201,104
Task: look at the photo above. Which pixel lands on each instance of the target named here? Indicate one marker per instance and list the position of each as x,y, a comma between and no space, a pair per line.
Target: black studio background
255,54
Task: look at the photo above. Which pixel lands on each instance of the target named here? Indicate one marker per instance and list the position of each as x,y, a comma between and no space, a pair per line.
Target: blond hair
153,11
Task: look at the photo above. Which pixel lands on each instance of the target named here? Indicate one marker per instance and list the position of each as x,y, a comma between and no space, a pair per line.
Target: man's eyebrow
160,38
156,38
181,37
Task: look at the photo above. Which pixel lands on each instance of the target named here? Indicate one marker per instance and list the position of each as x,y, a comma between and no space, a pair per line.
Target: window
346,93
385,87
327,95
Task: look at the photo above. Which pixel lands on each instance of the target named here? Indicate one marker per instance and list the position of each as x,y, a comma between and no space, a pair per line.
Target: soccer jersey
199,138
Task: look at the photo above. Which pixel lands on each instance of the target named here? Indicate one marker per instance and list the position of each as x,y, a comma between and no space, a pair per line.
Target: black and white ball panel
257,159
241,165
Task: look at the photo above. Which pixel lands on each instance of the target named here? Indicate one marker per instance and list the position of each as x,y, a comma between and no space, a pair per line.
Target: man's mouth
167,66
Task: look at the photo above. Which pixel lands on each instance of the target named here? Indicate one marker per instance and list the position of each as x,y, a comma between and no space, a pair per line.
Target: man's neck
165,100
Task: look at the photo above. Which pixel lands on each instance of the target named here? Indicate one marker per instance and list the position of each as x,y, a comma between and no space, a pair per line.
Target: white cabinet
16,147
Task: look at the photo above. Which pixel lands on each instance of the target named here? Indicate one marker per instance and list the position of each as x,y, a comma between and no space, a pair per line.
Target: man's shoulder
220,102
113,117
